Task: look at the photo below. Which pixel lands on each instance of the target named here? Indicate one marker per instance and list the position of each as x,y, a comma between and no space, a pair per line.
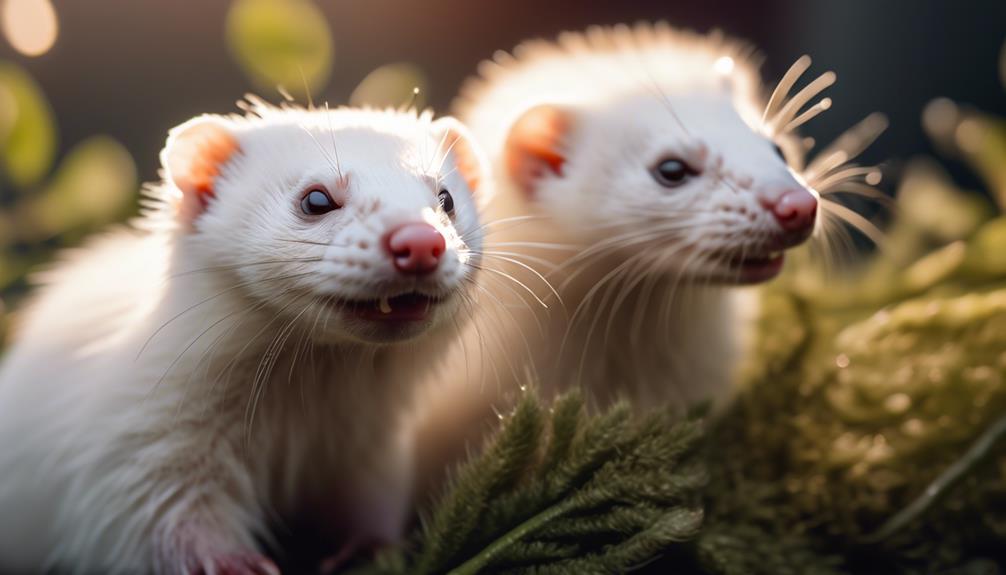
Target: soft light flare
30,26
724,65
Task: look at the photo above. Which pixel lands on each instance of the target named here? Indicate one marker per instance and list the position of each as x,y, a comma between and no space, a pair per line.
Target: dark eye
317,202
446,202
672,173
779,151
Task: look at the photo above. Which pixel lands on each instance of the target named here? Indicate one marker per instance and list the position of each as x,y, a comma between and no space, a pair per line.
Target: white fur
141,426
655,319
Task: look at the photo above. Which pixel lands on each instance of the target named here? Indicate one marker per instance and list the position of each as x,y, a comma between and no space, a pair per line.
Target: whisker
852,172
211,298
846,147
861,224
244,265
321,149
515,280
538,245
862,190
331,134
792,107
808,115
310,243
785,85
530,269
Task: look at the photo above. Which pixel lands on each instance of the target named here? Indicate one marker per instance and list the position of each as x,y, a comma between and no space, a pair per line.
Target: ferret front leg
209,526
198,547
171,499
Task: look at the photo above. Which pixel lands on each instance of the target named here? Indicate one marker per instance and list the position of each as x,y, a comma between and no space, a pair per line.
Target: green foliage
27,128
94,184
563,491
281,43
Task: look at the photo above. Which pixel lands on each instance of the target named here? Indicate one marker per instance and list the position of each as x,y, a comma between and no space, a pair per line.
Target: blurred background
89,89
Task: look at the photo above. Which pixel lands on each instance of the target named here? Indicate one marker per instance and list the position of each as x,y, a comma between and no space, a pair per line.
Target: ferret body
178,396
644,176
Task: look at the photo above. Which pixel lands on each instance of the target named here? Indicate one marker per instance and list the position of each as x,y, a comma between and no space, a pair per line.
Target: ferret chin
180,394
646,178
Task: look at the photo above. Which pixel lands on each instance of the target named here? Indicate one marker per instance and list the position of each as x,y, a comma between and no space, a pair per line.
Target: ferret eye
446,202
316,202
672,173
779,151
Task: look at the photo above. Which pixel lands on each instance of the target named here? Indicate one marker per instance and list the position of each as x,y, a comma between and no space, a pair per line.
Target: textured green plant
563,491
868,389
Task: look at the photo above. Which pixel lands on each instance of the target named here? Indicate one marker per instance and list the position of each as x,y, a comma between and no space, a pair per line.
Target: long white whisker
863,225
785,85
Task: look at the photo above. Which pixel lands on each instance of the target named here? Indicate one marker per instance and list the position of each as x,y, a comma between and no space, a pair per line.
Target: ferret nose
415,248
795,210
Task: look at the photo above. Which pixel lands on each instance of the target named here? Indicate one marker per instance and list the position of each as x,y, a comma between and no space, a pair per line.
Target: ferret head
650,143
361,225
682,179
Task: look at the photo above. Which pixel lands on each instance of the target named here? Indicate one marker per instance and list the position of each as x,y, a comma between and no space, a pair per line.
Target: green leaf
27,128
95,185
281,43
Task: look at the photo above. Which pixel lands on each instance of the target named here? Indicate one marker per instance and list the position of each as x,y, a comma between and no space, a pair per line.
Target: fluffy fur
643,303
180,395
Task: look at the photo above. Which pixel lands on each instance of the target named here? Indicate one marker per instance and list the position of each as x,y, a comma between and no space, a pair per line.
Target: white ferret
178,396
651,155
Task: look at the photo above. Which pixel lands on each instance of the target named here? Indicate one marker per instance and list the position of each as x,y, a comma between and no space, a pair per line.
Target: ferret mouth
406,307
757,268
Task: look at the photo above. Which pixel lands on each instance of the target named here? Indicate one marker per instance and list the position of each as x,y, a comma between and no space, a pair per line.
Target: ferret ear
537,145
193,158
459,142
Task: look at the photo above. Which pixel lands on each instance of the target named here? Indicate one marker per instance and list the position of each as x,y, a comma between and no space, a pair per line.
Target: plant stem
484,557
942,484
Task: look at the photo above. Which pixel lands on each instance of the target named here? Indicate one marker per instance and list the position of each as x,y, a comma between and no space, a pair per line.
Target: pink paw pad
243,564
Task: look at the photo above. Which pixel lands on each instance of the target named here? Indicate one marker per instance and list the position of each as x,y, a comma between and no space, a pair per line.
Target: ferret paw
238,564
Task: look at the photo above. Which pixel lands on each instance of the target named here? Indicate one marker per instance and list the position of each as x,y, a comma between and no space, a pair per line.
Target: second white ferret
179,395
642,171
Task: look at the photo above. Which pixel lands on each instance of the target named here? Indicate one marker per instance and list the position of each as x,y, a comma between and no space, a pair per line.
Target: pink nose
415,248
795,210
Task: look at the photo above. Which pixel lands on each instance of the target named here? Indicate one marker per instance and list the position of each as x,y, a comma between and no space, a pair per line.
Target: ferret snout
796,210
415,248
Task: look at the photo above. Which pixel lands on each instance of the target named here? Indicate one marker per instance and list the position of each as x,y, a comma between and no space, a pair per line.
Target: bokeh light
28,148
95,185
30,26
8,112
392,85
969,135
281,43
939,118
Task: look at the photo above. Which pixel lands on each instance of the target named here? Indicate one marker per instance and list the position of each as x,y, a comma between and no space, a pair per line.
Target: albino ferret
180,393
642,173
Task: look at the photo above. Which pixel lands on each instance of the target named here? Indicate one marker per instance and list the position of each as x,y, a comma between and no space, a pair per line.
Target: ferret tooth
384,305
774,255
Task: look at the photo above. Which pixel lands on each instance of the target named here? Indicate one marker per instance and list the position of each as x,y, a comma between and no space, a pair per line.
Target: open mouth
407,307
754,269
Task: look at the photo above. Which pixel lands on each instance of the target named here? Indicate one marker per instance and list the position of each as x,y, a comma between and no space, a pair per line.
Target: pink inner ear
467,161
535,145
194,159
